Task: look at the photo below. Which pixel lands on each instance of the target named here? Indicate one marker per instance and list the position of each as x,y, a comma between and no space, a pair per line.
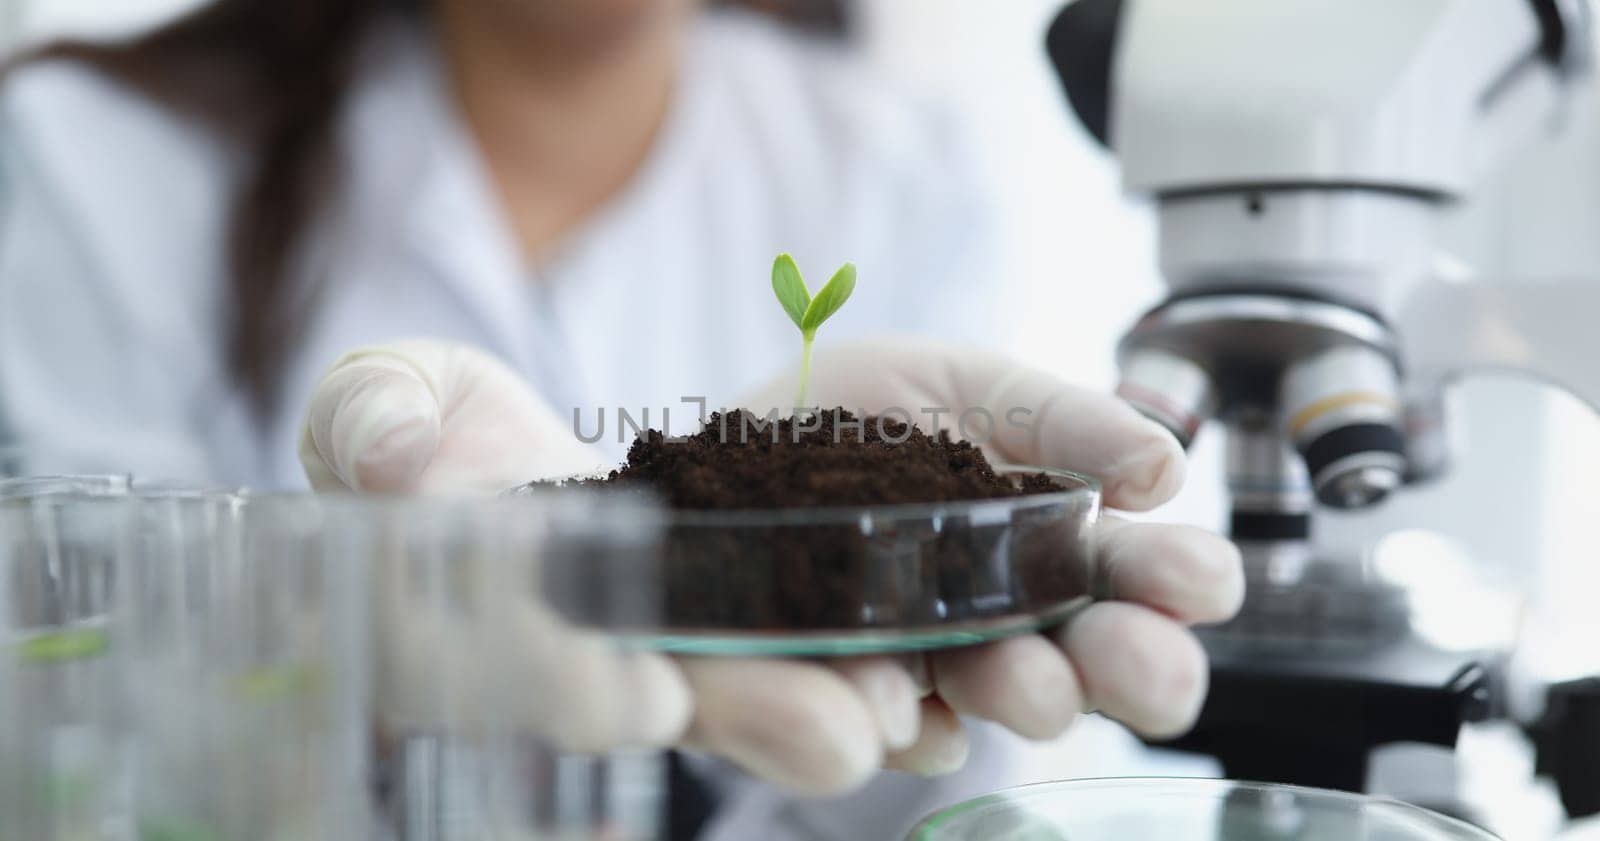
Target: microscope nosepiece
1168,389
1344,417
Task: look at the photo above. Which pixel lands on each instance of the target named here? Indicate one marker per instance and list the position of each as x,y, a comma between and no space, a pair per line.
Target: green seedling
809,312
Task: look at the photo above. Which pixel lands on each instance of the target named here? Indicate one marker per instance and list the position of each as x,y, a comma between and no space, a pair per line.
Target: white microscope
1300,155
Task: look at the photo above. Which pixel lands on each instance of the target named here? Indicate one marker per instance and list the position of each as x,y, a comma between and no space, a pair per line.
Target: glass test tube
63,771
481,682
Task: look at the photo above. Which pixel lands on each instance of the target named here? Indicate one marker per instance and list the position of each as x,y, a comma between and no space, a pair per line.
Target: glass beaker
69,548
481,684
63,769
178,663
245,625
1186,810
11,461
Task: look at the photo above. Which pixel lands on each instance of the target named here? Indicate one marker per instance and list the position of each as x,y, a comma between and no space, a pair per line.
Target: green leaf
830,298
791,289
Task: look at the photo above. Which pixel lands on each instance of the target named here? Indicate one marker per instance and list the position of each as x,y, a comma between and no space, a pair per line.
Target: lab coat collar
414,174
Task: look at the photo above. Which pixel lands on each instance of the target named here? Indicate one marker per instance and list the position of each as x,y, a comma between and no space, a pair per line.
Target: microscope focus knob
1343,414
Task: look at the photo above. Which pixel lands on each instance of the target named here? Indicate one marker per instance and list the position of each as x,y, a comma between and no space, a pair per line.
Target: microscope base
1313,719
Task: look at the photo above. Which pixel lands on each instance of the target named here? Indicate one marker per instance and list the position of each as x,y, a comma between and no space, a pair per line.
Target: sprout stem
805,371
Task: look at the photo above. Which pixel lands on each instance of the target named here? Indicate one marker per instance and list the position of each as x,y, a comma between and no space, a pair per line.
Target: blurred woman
197,222
200,220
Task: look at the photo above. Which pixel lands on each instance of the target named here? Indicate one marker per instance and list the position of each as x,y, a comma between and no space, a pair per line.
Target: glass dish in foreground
1186,810
851,580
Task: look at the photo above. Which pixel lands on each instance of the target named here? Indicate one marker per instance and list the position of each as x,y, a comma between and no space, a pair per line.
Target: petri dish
1133,809
850,580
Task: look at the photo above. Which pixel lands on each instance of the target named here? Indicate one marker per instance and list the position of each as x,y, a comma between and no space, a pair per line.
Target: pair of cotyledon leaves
806,311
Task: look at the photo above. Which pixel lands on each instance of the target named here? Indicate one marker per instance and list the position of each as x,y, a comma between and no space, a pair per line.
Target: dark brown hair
270,76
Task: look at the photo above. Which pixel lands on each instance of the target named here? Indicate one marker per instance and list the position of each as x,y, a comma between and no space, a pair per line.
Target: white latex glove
433,416
1128,656
823,727
427,416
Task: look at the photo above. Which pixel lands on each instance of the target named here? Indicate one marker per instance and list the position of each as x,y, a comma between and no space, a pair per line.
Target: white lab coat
113,288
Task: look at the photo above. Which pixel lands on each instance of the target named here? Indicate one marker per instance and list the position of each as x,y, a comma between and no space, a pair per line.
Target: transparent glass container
12,461
480,686
63,772
850,580
34,487
1186,810
173,668
71,550
242,633
186,663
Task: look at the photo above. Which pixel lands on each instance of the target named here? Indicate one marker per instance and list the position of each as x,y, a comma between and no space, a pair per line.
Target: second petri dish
1186,810
853,580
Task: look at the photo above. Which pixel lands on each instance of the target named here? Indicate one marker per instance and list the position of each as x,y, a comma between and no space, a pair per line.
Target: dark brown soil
744,572
831,459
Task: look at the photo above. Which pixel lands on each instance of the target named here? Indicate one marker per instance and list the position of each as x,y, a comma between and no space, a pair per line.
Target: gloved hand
430,416
426,416
1128,655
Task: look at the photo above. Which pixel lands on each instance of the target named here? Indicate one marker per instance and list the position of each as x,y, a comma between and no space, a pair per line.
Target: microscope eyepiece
1081,44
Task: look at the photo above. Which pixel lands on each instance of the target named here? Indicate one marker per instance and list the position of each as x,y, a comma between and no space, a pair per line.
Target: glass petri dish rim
631,520
1077,488
124,487
1078,503
568,508
926,828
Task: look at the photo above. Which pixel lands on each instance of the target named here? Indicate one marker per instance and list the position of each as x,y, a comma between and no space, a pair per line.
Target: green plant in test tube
808,311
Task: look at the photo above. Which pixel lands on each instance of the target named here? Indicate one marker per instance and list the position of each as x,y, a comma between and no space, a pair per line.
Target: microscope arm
1546,330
